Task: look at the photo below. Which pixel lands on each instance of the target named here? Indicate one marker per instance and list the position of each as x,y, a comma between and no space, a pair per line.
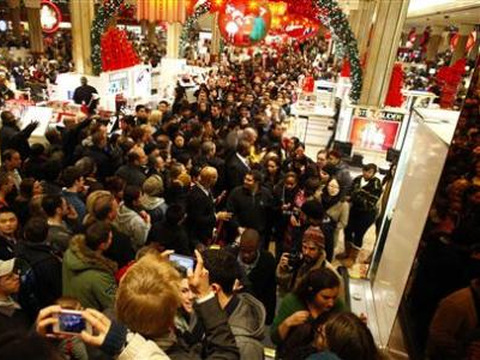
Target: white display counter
418,172
134,83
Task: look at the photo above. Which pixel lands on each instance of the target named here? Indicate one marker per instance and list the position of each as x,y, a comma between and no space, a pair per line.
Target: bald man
201,216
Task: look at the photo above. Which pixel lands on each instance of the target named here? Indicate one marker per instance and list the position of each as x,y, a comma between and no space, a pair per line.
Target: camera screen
183,261
72,323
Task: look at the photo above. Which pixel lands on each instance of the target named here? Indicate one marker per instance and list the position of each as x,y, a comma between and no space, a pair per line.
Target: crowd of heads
93,215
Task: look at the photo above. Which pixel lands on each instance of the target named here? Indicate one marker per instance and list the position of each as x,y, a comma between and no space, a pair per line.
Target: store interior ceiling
443,13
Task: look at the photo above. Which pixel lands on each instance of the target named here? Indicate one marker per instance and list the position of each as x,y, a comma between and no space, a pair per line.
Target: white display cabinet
134,83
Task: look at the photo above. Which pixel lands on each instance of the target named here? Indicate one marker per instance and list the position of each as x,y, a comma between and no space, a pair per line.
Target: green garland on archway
190,22
333,17
104,15
338,24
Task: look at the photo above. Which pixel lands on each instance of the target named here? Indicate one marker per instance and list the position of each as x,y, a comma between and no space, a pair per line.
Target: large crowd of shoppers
89,222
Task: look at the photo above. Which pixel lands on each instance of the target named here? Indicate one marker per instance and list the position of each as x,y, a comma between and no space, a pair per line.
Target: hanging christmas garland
333,16
190,23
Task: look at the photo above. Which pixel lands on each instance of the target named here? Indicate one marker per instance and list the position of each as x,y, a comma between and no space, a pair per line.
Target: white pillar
434,42
34,26
215,43
14,6
366,11
173,40
82,14
389,20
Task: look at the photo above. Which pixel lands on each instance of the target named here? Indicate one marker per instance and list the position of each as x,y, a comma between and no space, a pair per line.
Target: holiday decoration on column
201,8
331,15
244,23
117,51
449,77
105,14
424,40
394,95
454,41
472,39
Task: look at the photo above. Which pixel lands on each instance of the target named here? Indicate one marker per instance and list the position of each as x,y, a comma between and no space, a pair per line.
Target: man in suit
238,165
201,216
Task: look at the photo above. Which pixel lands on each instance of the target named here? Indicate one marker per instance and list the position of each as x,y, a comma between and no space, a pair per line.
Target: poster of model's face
377,135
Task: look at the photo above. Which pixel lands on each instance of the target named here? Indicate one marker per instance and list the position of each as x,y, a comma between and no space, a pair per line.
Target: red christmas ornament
244,23
472,39
394,95
454,41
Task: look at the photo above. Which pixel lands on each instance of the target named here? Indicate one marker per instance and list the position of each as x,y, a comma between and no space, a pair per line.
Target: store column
173,40
434,42
445,42
34,26
460,50
82,14
354,17
144,27
14,6
366,10
151,34
215,42
389,20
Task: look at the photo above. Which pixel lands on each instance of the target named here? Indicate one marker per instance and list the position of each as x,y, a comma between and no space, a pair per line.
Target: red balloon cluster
117,50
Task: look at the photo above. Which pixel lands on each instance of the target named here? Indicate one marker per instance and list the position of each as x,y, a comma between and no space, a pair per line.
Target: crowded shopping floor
239,179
